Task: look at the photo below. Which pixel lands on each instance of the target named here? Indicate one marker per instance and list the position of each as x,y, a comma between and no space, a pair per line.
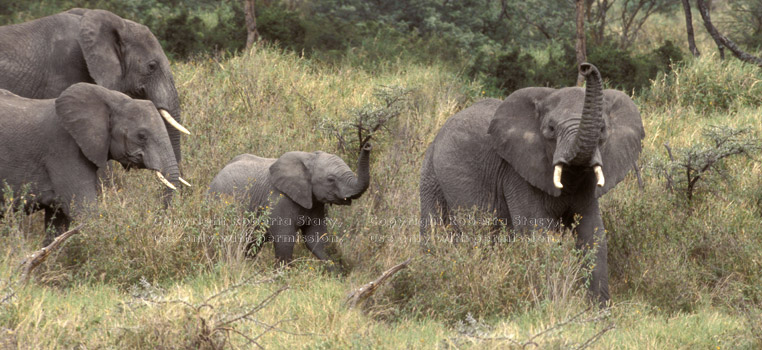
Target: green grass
682,275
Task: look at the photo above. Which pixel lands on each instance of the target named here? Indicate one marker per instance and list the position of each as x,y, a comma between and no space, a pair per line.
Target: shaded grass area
682,275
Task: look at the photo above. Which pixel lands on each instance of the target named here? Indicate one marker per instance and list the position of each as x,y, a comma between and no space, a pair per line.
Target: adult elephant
540,156
41,58
297,186
56,146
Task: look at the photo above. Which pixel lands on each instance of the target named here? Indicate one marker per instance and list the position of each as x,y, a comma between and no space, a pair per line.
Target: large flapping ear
100,37
291,175
622,147
84,113
516,135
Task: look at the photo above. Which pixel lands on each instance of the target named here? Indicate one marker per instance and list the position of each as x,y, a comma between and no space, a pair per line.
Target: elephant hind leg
56,223
434,209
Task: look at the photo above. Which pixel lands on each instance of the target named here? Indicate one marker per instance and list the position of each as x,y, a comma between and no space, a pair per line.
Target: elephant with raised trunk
41,58
541,155
297,186
56,146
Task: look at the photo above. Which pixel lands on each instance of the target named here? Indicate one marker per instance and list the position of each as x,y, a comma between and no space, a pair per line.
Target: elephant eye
142,136
152,66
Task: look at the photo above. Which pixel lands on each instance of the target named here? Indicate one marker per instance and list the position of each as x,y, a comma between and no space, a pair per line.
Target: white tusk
184,182
172,121
164,181
599,175
557,176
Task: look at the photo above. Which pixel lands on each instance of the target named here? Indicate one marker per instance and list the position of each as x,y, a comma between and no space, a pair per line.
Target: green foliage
367,121
686,166
744,23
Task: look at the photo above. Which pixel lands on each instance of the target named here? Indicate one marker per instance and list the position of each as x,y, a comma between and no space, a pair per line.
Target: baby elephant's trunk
360,183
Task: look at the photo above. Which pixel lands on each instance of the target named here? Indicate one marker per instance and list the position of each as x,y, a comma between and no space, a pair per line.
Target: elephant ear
100,37
622,147
516,135
84,113
291,175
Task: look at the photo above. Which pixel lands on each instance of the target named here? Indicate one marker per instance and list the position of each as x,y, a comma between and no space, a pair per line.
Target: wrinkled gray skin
299,184
41,58
499,156
56,146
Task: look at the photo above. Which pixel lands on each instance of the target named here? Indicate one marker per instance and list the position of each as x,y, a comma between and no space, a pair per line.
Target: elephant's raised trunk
589,131
358,184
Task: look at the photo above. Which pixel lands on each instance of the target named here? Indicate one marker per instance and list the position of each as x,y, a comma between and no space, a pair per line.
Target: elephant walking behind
296,187
541,155
41,58
56,146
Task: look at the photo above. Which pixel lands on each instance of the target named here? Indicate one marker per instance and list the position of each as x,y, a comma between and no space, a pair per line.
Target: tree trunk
723,41
580,48
251,22
689,28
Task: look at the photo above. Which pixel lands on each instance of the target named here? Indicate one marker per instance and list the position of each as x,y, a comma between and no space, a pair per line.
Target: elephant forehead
329,163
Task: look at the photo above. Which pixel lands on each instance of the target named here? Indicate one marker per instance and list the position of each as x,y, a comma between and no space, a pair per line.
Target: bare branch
361,294
39,256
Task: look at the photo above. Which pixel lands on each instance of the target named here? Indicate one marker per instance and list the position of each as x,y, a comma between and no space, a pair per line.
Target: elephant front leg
592,235
315,237
284,237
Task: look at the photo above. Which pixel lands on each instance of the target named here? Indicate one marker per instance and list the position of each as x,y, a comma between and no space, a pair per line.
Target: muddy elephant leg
592,235
56,223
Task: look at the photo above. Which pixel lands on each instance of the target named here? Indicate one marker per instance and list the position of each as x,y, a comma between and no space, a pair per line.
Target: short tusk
599,175
184,182
164,181
557,176
172,121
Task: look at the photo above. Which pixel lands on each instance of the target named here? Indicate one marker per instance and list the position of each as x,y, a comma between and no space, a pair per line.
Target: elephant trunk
164,96
585,146
358,184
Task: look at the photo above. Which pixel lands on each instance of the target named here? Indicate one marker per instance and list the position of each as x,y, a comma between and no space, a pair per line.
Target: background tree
251,22
689,28
722,41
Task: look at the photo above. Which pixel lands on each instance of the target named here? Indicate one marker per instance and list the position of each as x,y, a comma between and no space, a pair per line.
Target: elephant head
108,124
558,137
321,176
125,56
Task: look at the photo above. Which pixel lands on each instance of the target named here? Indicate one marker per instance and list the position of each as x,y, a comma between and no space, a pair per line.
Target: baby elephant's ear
290,175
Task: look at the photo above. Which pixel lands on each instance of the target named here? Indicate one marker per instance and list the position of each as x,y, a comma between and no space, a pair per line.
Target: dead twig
38,257
361,294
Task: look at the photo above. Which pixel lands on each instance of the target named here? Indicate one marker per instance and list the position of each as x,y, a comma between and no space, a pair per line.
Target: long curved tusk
164,181
184,182
173,122
599,175
557,176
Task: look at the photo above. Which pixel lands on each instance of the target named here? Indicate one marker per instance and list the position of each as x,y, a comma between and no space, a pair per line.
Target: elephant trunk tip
587,69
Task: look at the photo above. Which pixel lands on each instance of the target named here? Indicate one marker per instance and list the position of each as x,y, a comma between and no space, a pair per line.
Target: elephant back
247,179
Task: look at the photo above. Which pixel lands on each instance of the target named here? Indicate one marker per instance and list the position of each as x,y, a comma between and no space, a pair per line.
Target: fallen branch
361,294
39,256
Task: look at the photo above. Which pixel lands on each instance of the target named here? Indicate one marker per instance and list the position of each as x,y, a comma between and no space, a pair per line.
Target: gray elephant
297,185
43,57
540,156
56,146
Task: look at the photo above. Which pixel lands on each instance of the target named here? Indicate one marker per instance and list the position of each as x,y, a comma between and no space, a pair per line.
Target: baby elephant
56,146
297,185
